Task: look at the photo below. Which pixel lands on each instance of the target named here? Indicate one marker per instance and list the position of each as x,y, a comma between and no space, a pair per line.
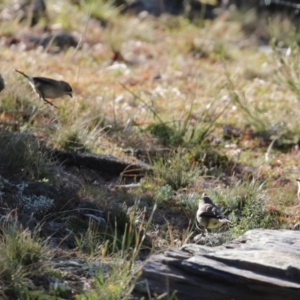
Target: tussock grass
22,155
176,171
23,256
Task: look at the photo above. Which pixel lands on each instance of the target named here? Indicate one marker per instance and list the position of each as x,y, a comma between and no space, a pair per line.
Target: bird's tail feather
22,73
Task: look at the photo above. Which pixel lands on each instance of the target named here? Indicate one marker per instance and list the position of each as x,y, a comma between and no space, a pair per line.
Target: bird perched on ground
48,88
209,215
2,84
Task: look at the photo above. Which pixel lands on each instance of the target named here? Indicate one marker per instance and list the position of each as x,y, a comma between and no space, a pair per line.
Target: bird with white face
209,215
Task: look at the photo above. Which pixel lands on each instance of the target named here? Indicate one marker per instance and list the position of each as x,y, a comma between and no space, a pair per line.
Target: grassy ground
207,104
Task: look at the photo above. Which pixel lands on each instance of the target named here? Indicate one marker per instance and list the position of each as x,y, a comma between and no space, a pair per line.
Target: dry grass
174,74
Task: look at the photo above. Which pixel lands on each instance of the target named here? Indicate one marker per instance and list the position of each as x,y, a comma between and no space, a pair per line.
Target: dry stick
267,154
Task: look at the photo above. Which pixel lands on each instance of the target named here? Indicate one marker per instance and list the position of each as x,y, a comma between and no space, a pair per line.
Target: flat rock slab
101,162
261,264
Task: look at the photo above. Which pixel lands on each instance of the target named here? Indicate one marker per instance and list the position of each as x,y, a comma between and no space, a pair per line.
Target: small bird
48,88
2,84
209,215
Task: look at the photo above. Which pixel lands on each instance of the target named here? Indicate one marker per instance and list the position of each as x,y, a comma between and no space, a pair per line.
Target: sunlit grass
173,88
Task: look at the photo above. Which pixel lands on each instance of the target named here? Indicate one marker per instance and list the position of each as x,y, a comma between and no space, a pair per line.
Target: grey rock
261,264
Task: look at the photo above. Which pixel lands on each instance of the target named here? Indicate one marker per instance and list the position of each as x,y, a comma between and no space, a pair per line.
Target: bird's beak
71,95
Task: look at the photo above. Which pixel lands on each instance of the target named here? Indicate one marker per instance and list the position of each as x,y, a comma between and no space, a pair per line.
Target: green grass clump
22,256
245,205
94,240
21,248
122,250
167,134
176,171
73,143
21,154
112,287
